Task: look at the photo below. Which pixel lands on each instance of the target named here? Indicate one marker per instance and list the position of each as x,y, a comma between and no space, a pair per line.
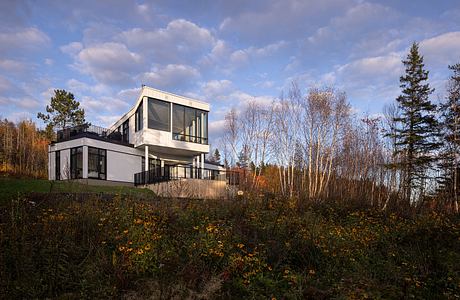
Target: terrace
91,131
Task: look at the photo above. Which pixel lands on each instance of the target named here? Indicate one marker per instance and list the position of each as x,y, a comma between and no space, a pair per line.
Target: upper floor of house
165,122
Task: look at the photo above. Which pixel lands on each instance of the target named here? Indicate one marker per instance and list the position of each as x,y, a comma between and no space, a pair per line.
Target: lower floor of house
101,162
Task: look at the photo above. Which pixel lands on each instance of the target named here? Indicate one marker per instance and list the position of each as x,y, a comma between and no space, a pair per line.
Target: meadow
133,245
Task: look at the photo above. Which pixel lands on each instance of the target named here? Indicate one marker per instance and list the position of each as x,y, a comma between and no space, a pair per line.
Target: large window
159,114
97,163
76,163
139,121
190,124
125,133
57,165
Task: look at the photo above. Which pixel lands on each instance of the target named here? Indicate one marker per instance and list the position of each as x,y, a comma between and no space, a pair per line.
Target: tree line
24,147
311,146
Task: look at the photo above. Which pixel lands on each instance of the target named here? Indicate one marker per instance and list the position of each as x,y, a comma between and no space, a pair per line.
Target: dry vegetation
252,247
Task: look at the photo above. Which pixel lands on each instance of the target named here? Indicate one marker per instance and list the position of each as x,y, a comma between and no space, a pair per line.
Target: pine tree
63,111
450,114
415,137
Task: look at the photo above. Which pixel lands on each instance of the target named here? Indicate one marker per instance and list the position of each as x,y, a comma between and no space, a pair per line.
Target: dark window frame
57,165
75,154
125,131
138,116
99,155
199,137
151,126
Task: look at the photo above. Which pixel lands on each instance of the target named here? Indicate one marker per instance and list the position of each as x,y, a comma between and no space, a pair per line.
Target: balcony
91,131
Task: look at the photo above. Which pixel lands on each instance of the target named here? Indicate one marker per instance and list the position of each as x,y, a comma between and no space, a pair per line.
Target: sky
223,52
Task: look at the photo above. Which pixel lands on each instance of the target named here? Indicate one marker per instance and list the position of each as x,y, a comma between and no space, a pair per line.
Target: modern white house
162,138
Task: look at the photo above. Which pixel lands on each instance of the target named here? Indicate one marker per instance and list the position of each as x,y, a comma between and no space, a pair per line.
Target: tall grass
246,248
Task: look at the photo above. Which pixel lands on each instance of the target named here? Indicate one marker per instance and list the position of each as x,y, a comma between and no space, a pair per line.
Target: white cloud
279,19
72,48
443,49
372,68
216,87
358,19
171,75
179,41
13,66
29,38
110,63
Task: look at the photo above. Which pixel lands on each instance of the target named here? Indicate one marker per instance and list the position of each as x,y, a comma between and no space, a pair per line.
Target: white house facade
163,137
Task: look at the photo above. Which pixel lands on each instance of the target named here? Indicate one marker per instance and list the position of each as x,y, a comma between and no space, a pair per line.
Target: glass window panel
159,114
76,163
190,124
97,163
205,128
178,122
139,118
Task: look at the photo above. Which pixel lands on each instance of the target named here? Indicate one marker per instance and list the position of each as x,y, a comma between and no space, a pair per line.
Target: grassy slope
252,248
13,187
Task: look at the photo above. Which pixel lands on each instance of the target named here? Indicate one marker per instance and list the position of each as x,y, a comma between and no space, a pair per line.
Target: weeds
257,248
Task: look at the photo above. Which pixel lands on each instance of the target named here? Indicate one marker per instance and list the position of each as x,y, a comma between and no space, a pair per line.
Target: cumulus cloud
357,20
372,68
72,48
214,88
178,41
263,24
23,39
110,63
12,66
171,75
442,49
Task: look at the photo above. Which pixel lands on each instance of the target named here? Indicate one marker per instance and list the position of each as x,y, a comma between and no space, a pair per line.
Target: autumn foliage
23,149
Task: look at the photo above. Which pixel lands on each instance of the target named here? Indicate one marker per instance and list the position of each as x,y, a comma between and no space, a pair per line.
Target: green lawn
14,187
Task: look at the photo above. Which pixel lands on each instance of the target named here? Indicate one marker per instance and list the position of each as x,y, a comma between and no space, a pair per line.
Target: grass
133,248
11,188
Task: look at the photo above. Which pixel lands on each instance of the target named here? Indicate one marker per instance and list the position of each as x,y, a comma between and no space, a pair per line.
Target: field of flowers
57,247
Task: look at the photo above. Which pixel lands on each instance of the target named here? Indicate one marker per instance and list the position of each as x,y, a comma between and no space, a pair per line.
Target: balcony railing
168,173
190,138
91,131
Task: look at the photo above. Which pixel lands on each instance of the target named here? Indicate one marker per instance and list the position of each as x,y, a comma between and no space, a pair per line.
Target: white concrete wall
122,166
122,161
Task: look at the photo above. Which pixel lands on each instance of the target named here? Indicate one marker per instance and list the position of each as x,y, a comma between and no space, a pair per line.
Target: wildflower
140,251
311,272
125,231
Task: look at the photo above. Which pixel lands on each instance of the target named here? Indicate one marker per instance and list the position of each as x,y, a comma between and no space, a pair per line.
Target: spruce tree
449,158
216,156
415,137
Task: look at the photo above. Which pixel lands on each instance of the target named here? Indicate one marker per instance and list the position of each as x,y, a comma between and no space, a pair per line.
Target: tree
450,116
63,111
216,156
415,138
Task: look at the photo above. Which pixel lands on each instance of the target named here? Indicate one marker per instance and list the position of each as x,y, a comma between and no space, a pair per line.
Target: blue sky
222,52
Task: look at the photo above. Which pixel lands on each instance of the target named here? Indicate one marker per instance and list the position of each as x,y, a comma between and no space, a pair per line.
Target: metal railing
86,130
190,138
167,173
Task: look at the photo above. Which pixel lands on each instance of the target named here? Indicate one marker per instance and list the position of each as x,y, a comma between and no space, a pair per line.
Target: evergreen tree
450,113
216,156
415,137
243,158
63,111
